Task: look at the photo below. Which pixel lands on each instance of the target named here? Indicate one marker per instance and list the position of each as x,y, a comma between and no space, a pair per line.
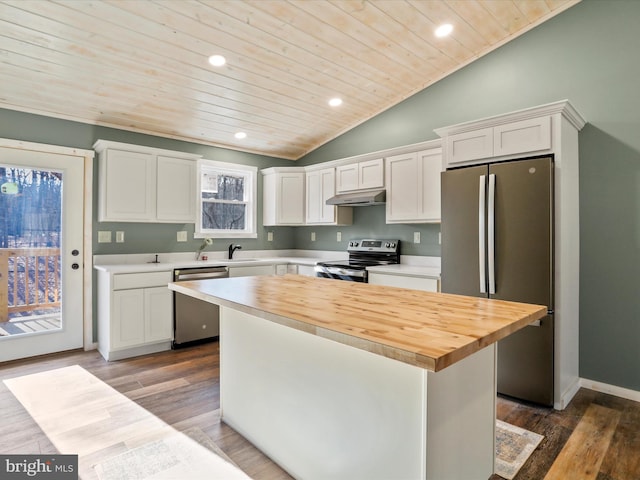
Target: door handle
491,233
482,193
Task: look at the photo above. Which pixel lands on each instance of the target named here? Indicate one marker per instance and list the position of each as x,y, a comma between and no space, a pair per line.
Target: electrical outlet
416,237
181,236
339,236
104,236
269,236
313,236
119,237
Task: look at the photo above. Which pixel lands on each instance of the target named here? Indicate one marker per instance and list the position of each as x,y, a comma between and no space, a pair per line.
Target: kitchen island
344,380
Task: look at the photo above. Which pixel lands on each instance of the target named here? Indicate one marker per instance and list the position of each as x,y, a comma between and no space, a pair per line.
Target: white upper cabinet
176,186
526,132
360,176
413,186
283,196
142,184
321,185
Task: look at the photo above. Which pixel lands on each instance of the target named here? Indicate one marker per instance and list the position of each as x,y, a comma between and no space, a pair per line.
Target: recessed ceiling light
217,60
444,30
335,102
240,135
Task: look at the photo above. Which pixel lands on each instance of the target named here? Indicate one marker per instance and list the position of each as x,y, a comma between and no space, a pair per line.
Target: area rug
114,437
514,445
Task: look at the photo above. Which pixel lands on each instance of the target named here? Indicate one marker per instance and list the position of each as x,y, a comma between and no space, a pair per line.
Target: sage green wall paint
589,55
369,222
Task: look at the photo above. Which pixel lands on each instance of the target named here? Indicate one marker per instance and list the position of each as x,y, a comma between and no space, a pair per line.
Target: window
227,200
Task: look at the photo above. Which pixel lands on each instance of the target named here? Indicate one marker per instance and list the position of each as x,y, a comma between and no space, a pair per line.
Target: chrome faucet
233,248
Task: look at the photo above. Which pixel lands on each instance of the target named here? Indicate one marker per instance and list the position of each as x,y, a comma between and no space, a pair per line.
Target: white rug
514,445
114,437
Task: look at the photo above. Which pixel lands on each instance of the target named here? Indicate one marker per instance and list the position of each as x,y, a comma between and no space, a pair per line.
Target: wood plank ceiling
142,65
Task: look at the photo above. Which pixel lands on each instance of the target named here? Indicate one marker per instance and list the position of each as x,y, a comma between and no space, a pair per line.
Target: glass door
41,268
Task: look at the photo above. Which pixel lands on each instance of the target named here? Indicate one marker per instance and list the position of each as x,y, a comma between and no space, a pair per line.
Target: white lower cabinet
135,314
405,281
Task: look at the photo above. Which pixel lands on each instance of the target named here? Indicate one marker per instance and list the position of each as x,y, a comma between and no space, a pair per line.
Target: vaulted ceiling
142,65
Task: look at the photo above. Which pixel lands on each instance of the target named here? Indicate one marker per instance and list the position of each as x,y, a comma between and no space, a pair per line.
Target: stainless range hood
359,199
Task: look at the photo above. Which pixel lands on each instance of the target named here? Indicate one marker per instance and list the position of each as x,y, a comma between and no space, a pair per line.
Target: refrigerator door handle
491,233
482,195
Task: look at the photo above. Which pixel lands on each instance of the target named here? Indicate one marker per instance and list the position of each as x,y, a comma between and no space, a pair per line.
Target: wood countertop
425,329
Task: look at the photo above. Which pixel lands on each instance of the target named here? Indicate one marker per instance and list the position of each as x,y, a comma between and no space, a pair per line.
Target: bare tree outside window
227,196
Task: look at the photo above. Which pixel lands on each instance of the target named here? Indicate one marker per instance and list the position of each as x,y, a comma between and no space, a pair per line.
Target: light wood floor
181,387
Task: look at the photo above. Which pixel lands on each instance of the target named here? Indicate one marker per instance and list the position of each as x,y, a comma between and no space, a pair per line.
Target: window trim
251,190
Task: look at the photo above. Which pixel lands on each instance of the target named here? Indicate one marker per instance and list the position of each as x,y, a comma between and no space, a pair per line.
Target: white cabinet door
371,174
127,186
430,162
360,176
321,185
529,136
347,178
127,319
473,145
283,198
314,211
404,183
413,187
158,314
175,192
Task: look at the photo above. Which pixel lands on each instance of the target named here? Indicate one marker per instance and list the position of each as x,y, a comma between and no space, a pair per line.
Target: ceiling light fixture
444,30
217,60
335,102
240,135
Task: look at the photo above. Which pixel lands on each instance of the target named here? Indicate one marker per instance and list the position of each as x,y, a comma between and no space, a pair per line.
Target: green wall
589,55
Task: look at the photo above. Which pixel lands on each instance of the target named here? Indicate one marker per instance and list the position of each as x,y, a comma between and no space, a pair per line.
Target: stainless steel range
362,254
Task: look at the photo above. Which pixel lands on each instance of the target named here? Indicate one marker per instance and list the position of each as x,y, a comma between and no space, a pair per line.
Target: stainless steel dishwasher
194,320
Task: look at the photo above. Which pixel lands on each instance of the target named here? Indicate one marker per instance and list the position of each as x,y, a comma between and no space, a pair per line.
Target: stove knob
392,245
387,245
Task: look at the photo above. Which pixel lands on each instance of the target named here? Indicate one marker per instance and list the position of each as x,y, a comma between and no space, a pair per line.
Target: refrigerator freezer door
523,258
525,363
461,208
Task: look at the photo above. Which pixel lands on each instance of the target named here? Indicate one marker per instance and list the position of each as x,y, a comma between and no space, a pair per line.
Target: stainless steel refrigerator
497,242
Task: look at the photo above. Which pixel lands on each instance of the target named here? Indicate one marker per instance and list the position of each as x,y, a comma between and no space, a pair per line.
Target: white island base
324,410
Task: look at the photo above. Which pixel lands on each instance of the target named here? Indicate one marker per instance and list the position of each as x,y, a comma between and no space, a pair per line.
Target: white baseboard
567,395
610,389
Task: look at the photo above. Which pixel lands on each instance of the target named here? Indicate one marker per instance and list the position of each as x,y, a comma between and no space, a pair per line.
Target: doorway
42,250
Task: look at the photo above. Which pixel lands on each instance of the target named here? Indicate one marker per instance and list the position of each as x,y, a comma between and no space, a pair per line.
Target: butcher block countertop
425,329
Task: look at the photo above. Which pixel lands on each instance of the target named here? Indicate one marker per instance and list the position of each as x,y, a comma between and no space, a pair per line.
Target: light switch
313,236
416,237
269,236
119,237
104,236
181,236
339,237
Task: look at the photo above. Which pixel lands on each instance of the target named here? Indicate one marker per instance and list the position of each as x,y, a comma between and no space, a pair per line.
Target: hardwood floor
181,387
